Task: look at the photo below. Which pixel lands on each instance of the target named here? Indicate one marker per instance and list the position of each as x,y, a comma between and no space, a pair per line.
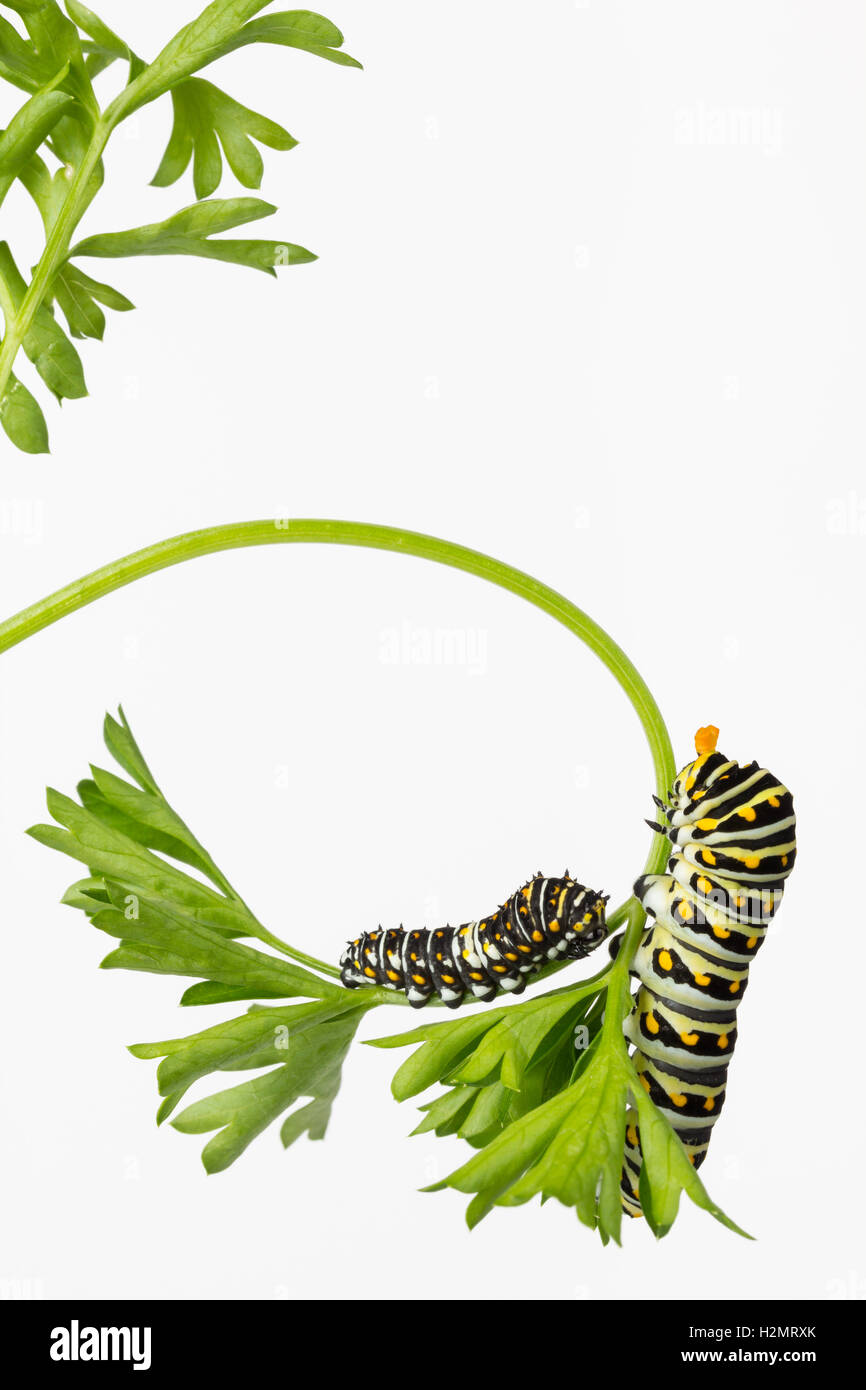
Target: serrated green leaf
106,45
148,818
117,856
666,1171
79,297
22,418
299,29
311,1119
26,132
57,42
313,1065
443,1045
45,343
508,1048
197,951
220,29
190,231
203,115
264,1033
487,1114
443,1115
212,992
198,43
88,894
504,1161
20,63
121,744
47,190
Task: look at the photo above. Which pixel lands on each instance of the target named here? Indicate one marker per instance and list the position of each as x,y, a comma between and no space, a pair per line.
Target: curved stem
283,531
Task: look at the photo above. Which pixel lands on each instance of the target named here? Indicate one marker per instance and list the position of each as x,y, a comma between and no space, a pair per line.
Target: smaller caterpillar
546,919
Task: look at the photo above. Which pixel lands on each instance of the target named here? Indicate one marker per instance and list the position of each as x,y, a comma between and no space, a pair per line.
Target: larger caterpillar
733,829
546,919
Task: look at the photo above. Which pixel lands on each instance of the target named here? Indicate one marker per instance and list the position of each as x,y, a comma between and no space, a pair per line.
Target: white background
591,299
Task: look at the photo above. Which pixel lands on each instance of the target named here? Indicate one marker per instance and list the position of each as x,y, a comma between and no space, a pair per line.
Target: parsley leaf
204,119
54,146
190,231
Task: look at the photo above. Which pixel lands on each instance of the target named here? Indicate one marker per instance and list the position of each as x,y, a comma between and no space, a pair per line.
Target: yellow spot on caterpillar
696,796
702,980
706,740
465,955
644,1082
665,962
734,986
774,801
500,969
631,1135
537,935
510,955
448,979
521,947
419,979
752,861
690,1039
587,917
476,975
739,902
651,1022
709,1103
721,932
679,1100
438,955
752,943
784,860
690,1157
486,947
554,926
704,885
413,955
707,823
690,782
722,1040
685,911
708,856
392,975
747,812
368,970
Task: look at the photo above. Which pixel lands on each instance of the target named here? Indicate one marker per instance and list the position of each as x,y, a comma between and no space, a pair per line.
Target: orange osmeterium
706,740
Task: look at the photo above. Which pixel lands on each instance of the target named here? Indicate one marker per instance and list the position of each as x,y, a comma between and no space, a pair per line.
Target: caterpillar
733,832
547,919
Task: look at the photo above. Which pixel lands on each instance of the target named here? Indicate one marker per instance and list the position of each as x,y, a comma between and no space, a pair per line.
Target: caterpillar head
586,919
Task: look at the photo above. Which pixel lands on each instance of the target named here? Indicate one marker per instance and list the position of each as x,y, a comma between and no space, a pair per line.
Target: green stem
56,250
284,531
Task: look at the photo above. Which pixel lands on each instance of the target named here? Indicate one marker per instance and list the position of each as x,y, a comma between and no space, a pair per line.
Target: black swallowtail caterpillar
733,829
547,919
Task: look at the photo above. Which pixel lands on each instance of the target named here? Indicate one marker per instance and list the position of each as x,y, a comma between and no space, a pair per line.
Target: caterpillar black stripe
547,919
733,829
